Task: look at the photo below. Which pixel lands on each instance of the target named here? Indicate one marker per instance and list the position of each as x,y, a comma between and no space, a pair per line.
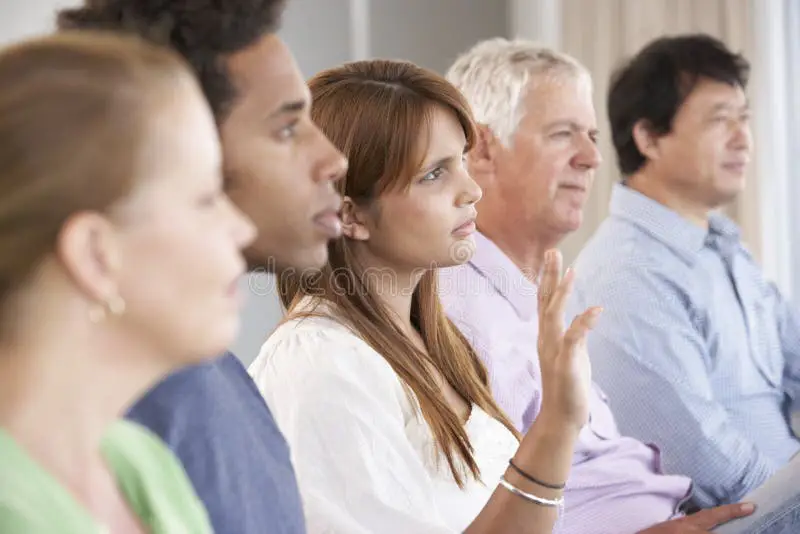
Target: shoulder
620,269
198,400
188,385
136,446
16,515
152,477
314,346
25,504
317,364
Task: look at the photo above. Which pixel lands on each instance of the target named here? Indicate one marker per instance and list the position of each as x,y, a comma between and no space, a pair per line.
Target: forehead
181,149
445,136
709,94
266,76
556,97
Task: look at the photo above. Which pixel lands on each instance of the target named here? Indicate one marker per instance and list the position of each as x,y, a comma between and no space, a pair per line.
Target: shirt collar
666,225
506,278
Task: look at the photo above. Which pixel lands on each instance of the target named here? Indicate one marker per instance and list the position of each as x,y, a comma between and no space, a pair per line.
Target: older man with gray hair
535,159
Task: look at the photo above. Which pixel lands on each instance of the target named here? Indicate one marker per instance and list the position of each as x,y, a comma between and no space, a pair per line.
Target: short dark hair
203,31
653,85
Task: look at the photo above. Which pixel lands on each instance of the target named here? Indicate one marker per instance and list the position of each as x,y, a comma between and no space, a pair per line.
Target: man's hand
702,521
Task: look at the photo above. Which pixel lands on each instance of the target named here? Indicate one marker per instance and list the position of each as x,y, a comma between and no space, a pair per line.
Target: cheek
272,186
178,264
413,230
539,171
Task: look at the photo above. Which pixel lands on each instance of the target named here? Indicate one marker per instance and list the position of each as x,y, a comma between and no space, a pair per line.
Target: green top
149,476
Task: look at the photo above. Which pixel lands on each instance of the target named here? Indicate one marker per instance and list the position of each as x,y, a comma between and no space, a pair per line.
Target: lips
465,228
574,187
735,166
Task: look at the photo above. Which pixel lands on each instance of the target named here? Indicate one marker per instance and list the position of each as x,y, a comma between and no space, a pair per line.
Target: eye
433,175
288,131
562,134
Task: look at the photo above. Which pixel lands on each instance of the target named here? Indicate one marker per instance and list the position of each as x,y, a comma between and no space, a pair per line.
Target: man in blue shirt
279,170
697,352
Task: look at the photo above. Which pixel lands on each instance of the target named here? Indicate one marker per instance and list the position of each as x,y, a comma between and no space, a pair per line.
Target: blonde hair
495,74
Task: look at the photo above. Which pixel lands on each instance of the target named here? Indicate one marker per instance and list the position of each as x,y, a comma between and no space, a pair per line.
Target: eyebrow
572,125
440,162
288,108
727,107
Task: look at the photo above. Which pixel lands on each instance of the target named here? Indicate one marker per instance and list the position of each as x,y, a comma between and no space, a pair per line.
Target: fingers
713,517
551,276
580,327
558,301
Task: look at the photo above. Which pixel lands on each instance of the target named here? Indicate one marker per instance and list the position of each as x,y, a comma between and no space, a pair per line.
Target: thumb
713,517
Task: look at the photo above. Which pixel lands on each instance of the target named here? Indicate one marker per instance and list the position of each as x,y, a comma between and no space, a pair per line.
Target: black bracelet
534,480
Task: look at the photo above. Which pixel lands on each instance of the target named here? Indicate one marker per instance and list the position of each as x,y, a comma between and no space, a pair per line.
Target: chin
461,251
570,222
218,340
310,259
297,260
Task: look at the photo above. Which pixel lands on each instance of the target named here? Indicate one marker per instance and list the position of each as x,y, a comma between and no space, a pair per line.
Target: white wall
26,18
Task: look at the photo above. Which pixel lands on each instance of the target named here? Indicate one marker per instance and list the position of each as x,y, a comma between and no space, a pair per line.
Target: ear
88,250
482,158
354,220
646,141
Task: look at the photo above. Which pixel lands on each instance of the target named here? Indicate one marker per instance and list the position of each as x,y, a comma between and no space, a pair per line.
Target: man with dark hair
279,169
696,351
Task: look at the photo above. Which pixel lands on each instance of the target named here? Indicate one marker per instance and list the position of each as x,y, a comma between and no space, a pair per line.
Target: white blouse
365,461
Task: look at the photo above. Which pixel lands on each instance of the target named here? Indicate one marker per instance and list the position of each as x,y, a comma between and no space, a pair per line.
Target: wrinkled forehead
558,96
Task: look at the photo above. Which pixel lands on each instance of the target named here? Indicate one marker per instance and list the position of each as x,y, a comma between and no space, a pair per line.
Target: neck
525,251
393,287
60,389
649,185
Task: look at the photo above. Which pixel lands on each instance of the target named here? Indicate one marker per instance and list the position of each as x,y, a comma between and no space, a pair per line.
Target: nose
242,227
742,138
588,156
332,163
471,193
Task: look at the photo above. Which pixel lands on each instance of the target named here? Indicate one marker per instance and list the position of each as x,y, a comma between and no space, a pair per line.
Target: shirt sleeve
649,356
340,407
789,332
13,521
213,418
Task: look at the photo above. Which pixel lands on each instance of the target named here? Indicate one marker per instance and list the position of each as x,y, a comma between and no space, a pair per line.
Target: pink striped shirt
616,485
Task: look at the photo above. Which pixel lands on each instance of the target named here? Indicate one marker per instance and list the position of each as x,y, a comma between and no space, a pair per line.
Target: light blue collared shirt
696,351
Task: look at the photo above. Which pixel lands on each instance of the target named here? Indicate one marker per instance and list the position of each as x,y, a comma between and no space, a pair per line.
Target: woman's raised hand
563,358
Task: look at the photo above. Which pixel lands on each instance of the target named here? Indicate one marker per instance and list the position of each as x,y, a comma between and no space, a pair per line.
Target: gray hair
494,75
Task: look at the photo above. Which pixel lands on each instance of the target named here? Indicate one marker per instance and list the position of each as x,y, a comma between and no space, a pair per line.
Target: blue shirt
696,351
215,420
